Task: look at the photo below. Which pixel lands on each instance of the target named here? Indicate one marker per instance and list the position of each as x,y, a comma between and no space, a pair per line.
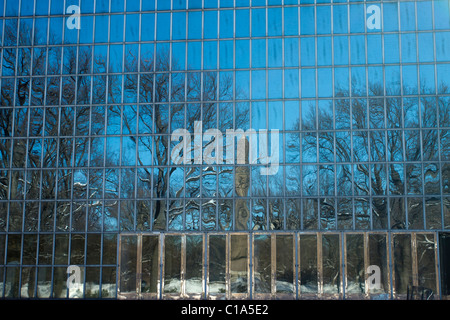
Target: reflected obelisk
242,183
239,243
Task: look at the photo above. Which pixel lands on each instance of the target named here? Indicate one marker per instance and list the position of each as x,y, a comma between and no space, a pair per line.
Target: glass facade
224,149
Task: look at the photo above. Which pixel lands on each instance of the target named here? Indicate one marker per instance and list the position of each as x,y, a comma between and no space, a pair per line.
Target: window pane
128,260
355,284
378,256
239,264
402,264
217,264
194,264
262,253
172,264
150,264
308,272
285,264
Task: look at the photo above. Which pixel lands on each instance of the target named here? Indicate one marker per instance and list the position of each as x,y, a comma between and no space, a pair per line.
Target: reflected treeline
86,156
104,135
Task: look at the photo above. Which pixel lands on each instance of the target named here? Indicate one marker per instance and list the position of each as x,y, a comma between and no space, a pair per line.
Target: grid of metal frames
349,263
279,265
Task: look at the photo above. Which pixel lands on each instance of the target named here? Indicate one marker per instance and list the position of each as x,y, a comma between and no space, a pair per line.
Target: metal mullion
139,265
119,263
297,263
415,274
319,265
437,263
183,266
101,263
273,240
162,257
202,106
343,264
389,258
84,268
366,263
390,247
249,265
227,265
266,103
205,265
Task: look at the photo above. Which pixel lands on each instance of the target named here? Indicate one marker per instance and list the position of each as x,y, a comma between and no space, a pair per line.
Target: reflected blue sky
309,71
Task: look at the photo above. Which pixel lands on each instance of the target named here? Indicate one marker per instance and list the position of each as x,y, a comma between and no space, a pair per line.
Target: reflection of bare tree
65,151
371,149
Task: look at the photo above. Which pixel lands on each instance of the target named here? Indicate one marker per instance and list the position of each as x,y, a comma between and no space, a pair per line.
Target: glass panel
150,264
128,264
12,282
76,253
44,283
93,282
262,252
444,241
239,264
426,261
109,249
93,251
29,249
217,264
28,282
378,256
308,264
354,246
331,270
172,264
402,264
284,264
109,282
194,264
415,213
60,282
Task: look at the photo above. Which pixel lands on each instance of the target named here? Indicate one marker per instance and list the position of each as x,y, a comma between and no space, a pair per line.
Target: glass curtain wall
168,129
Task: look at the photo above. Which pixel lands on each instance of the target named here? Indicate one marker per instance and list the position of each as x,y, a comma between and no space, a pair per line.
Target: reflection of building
86,180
